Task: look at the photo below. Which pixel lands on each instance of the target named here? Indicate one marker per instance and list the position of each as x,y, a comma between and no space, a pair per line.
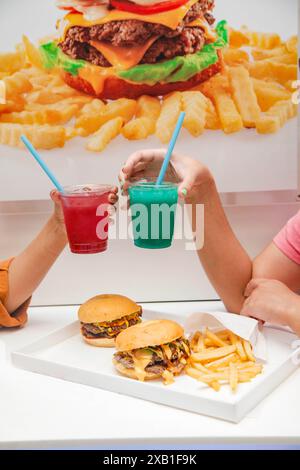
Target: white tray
64,355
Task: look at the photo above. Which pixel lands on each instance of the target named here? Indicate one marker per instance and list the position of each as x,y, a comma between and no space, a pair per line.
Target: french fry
207,379
223,362
235,56
276,117
194,373
223,334
32,53
12,105
148,106
238,38
216,340
194,339
269,93
45,80
122,107
262,54
229,368
201,368
195,106
11,62
244,95
200,346
240,350
104,135
292,85
248,350
139,128
168,118
215,385
233,376
147,113
288,59
45,116
93,107
17,83
218,90
208,356
239,346
78,101
291,44
230,118
270,70
4,75
212,119
262,40
42,137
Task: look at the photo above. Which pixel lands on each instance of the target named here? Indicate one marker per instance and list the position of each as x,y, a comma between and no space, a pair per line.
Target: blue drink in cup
153,210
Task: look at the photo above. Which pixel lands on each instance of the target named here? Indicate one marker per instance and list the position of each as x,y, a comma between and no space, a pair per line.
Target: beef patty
170,43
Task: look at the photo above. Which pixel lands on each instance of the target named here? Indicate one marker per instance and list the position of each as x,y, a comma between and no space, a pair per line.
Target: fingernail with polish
184,192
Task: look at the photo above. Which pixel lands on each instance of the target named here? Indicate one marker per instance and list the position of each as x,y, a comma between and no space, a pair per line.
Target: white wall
144,275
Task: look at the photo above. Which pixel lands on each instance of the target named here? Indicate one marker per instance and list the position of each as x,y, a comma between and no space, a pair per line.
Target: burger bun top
148,333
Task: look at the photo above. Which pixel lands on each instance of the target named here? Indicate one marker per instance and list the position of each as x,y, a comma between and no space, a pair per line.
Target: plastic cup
153,210
86,215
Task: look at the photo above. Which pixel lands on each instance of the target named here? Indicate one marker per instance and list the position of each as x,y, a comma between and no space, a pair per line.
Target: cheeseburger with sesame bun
103,317
151,350
120,48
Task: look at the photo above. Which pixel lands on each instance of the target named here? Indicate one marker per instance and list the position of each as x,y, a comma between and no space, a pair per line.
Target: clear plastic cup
86,217
153,210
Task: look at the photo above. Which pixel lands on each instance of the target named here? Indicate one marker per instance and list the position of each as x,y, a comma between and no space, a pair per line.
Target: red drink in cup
86,217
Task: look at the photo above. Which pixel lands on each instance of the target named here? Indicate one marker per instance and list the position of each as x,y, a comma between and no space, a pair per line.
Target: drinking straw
170,149
41,162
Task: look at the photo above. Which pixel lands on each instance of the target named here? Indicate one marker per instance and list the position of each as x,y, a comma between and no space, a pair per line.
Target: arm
273,264
29,268
224,260
226,263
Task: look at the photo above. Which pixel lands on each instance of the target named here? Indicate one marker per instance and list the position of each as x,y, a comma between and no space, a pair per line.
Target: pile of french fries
255,90
220,358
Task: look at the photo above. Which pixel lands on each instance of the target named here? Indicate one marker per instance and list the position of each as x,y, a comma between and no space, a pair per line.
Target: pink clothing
288,240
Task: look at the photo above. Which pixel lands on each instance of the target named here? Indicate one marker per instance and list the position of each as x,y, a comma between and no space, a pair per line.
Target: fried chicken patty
170,43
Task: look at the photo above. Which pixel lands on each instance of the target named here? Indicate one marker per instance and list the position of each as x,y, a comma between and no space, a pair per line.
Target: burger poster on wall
100,76
126,49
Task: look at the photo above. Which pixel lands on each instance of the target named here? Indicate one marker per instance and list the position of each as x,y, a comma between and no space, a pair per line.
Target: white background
241,162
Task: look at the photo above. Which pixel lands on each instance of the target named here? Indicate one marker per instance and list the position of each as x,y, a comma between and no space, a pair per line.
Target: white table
42,412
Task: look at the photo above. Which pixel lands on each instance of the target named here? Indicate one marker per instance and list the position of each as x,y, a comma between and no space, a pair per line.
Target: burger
120,48
103,317
151,350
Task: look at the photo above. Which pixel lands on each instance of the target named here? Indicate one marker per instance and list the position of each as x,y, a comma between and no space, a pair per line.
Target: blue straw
170,149
41,162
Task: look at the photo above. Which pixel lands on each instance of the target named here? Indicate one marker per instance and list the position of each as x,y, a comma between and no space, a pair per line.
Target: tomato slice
126,5
69,9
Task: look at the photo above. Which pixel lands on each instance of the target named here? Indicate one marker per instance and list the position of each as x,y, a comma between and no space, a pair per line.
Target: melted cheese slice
123,57
210,34
170,18
141,359
96,76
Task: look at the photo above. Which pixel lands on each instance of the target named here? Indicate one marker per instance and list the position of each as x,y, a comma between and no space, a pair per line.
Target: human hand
273,302
190,174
